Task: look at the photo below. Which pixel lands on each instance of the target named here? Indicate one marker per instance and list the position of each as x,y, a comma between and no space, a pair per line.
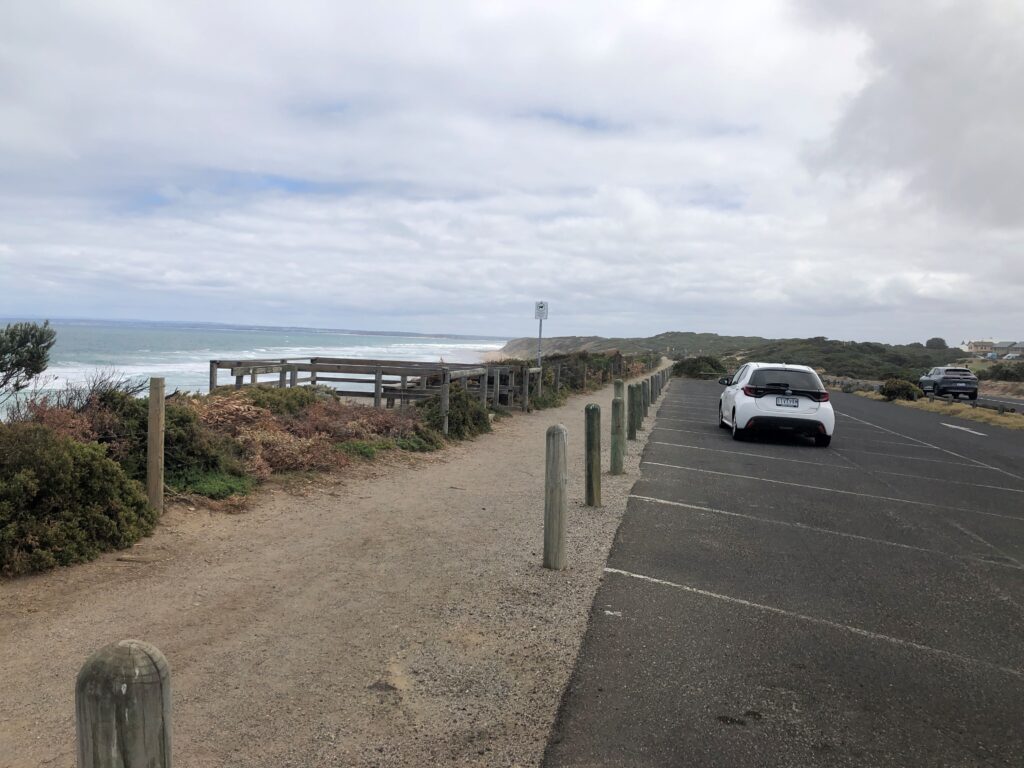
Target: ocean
181,352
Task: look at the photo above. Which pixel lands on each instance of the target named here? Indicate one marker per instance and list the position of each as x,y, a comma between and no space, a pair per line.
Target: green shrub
466,416
695,366
366,449
212,484
1003,372
290,401
62,502
422,440
189,448
899,389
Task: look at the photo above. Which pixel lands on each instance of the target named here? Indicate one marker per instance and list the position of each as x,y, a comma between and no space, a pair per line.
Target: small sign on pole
540,311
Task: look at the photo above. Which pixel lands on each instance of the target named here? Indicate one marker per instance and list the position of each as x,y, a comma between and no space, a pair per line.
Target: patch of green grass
366,449
213,484
550,399
416,444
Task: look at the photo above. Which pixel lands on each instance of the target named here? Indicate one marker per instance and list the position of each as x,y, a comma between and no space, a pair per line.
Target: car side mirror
725,381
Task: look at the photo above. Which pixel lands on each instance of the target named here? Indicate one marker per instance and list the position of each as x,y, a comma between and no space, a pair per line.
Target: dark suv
950,381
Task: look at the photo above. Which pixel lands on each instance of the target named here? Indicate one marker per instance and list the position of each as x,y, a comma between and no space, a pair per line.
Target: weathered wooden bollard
645,393
620,389
123,707
592,450
618,448
155,445
556,479
631,419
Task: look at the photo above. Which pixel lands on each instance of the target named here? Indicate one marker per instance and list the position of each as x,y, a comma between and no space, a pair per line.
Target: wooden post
446,387
631,411
312,373
510,393
404,399
282,381
556,479
483,386
620,389
123,707
558,378
378,387
618,435
496,387
239,380
155,446
293,376
592,451
253,379
526,388
645,393
639,406
214,364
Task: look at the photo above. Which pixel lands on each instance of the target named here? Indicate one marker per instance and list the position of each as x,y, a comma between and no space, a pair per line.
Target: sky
828,168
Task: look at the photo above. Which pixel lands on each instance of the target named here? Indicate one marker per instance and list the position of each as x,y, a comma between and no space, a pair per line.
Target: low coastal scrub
466,416
899,389
584,371
1002,372
62,501
695,367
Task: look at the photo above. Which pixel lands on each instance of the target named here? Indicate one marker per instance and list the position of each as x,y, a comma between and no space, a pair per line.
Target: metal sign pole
540,334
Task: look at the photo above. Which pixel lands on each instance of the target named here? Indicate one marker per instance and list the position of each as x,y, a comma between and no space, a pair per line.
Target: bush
899,389
62,502
290,401
213,485
466,416
1003,372
695,366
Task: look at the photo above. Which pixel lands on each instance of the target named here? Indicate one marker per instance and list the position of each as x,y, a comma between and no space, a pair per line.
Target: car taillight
822,397
749,391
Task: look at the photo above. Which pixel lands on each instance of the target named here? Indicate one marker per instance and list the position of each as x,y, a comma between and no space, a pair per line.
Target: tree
24,354
936,343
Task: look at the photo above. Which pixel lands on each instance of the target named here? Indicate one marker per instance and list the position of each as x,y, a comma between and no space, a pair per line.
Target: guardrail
390,383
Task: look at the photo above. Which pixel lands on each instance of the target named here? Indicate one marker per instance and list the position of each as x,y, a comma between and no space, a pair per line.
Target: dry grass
869,395
984,415
946,408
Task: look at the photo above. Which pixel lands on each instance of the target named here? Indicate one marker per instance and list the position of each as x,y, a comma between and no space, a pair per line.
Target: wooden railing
390,383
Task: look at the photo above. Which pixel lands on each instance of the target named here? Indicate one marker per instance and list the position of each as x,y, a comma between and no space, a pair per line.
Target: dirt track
399,619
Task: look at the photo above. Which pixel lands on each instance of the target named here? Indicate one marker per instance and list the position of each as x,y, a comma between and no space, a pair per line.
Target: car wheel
737,433
721,421
822,441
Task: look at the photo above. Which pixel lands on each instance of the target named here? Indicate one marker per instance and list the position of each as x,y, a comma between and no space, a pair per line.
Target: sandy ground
396,619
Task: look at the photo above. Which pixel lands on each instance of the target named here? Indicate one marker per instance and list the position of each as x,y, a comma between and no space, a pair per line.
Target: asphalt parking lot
769,603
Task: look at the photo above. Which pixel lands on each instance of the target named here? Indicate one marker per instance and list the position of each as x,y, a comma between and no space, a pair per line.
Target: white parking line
949,655
910,458
832,490
1014,564
963,429
692,421
837,466
944,450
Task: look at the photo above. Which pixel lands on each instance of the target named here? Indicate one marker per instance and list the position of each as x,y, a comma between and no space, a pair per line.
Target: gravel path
396,619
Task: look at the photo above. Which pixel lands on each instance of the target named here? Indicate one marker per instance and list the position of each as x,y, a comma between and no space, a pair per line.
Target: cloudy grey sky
848,169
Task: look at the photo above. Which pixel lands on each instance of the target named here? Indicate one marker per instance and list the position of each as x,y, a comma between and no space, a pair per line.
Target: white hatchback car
777,396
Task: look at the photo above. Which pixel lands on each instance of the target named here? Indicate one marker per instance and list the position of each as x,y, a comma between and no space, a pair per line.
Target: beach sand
396,617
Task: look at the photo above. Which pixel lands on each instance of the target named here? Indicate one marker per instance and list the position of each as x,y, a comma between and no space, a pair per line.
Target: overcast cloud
849,169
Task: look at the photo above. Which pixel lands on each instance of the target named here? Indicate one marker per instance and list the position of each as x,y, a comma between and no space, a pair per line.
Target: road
769,603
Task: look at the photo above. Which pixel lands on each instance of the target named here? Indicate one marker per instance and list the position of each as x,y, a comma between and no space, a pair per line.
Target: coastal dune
396,618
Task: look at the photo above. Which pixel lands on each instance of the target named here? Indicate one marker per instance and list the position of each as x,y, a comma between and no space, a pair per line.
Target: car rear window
772,378
958,370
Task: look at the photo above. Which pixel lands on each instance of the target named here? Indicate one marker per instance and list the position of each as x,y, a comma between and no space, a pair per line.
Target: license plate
788,402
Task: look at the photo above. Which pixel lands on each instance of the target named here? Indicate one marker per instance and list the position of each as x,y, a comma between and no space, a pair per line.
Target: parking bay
771,603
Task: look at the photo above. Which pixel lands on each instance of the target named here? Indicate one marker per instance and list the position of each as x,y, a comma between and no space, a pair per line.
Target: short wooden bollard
618,435
645,394
123,707
155,445
556,480
592,449
632,422
620,389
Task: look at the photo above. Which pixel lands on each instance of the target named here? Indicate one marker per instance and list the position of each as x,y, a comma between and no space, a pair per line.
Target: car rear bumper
787,424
